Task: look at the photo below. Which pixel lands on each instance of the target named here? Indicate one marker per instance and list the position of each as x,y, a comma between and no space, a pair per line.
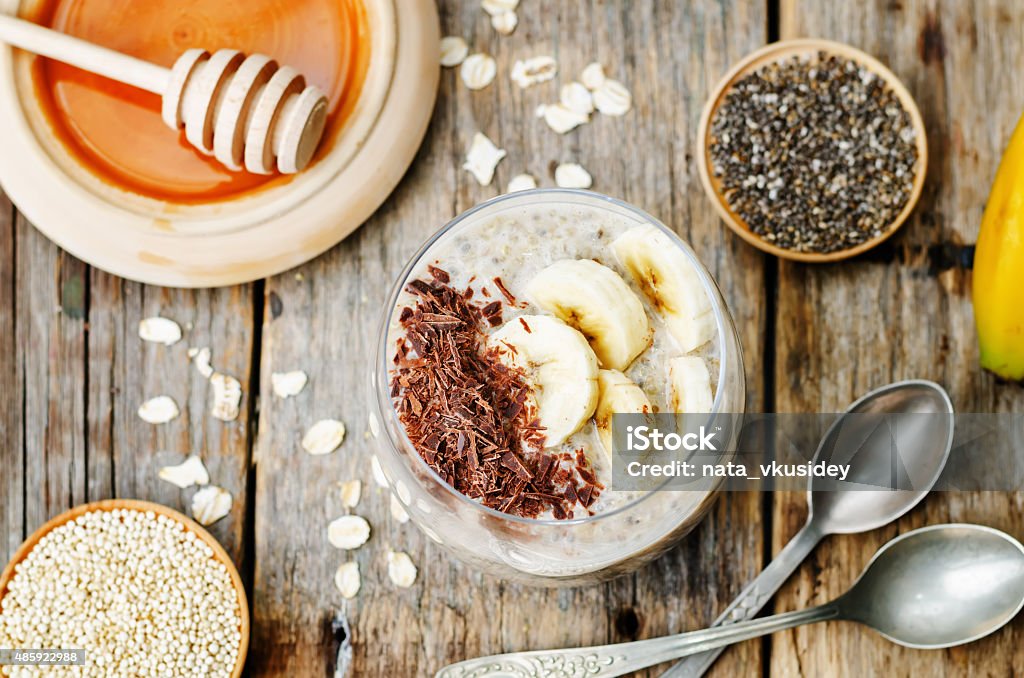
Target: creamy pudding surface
516,338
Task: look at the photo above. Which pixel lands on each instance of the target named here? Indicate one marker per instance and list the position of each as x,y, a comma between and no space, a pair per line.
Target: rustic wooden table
73,371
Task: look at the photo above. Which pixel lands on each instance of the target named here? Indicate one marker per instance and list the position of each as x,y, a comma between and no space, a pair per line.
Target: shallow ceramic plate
238,240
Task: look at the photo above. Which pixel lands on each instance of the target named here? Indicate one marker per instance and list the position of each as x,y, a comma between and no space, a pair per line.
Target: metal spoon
923,444
931,588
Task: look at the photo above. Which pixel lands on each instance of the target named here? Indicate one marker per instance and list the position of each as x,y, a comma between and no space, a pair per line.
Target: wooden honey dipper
244,111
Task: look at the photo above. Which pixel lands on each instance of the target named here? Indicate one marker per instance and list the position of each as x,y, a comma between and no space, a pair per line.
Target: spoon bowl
940,586
901,435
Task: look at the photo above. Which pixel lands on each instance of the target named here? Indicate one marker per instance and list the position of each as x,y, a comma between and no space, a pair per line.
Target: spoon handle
619,659
753,598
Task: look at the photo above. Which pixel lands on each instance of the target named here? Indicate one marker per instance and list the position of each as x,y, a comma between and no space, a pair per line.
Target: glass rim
381,367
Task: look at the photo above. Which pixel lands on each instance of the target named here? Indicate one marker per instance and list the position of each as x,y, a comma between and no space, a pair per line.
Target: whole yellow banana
999,267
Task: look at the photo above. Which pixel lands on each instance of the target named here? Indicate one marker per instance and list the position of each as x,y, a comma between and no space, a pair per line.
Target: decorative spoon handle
753,598
606,661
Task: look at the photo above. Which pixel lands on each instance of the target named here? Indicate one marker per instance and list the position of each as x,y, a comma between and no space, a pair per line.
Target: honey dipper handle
84,55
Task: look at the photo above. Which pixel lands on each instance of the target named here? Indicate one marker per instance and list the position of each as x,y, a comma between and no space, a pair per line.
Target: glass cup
540,551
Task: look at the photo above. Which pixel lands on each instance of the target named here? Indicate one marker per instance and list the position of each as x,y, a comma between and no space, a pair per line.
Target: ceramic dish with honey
91,164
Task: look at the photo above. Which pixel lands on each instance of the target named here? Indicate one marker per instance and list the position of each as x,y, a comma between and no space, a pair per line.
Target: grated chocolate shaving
504,291
469,415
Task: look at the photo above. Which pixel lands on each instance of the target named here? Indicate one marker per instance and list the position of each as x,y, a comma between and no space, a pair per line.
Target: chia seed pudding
487,294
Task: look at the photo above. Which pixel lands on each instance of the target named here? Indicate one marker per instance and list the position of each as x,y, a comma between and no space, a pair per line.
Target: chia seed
815,154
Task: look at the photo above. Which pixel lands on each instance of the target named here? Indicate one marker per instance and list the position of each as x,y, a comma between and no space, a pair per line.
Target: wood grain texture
124,371
12,479
322,319
75,371
902,311
50,353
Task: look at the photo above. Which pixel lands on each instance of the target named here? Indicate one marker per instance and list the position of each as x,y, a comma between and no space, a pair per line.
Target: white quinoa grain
139,592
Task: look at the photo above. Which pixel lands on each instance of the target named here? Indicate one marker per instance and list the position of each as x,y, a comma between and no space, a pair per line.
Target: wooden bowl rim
774,52
139,505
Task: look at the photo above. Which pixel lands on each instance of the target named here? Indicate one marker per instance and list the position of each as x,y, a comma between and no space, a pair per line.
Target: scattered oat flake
227,394
158,410
561,119
576,98
593,76
160,330
505,23
378,472
400,569
529,72
482,158
496,7
186,474
521,182
210,504
453,50
287,384
323,437
398,511
478,71
572,175
200,357
348,532
612,98
351,491
347,579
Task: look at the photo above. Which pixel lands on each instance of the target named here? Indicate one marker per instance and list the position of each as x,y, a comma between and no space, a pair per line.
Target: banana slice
691,385
618,395
559,364
597,301
670,282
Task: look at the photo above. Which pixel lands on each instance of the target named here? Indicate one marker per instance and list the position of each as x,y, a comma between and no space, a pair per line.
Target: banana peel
999,268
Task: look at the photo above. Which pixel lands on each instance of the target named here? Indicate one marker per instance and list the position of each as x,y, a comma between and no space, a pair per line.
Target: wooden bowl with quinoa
219,555
781,53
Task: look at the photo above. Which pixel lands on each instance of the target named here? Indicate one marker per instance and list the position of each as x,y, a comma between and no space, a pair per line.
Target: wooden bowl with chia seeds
812,150
144,507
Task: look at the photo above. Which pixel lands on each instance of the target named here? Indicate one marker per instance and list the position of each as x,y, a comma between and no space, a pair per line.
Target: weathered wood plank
124,371
323,319
78,371
672,54
897,313
50,354
12,477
